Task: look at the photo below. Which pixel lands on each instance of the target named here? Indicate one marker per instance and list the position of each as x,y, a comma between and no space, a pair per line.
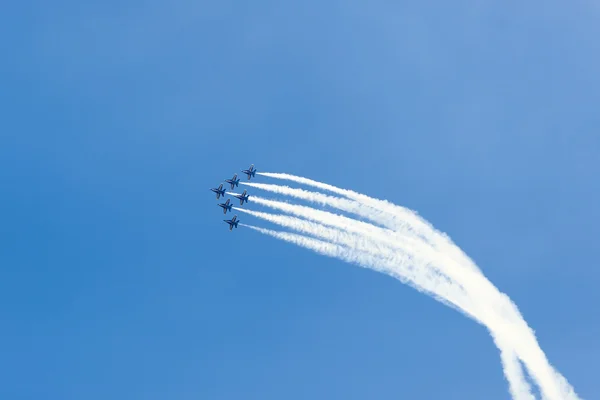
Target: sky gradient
118,278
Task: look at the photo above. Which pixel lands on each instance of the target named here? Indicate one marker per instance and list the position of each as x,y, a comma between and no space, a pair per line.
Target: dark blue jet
232,222
219,191
233,181
250,172
226,206
243,197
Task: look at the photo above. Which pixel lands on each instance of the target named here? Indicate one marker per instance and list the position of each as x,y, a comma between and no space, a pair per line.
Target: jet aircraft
250,171
219,191
226,206
235,181
232,222
243,197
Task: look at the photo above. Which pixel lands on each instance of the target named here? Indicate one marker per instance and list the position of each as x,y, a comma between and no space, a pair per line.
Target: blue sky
118,278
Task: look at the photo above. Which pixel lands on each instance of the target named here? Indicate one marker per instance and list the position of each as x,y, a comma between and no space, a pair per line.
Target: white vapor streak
408,244
385,218
350,206
411,269
395,216
403,214
398,266
519,388
330,219
403,261
319,215
511,333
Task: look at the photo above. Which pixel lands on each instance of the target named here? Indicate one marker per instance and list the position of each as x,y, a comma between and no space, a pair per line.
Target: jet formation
234,182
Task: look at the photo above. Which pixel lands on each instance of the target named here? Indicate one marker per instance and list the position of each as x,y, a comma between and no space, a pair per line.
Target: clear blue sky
118,278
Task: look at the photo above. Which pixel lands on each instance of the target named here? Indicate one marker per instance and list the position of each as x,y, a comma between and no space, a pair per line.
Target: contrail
350,206
376,237
403,261
408,226
383,235
551,382
325,217
394,264
407,215
509,330
412,267
335,220
401,268
519,388
381,211
320,216
408,244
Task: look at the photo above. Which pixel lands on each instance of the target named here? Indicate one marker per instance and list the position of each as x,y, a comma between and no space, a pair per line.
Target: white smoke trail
552,384
335,220
417,248
378,240
398,266
325,217
443,289
411,225
519,388
342,237
516,332
403,214
380,211
403,261
349,206
416,267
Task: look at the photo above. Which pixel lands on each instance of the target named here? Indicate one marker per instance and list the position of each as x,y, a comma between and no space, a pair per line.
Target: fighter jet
233,181
219,191
232,222
226,206
243,197
250,171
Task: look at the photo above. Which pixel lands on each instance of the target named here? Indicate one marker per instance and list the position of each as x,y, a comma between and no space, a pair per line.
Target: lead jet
243,197
250,171
233,181
226,206
219,191
232,222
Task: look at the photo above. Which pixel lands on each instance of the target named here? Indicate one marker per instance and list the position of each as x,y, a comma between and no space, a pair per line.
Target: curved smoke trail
440,259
